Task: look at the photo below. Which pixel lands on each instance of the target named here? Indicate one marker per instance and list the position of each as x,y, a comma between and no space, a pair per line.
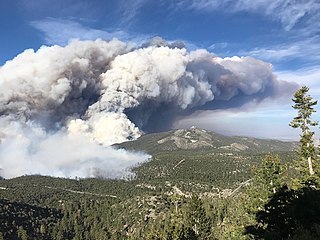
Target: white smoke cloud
61,107
29,149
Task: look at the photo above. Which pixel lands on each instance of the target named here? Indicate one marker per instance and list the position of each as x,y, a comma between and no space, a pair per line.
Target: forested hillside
183,192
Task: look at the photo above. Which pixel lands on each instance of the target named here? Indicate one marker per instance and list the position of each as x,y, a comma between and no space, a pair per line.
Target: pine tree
197,218
304,103
270,174
268,178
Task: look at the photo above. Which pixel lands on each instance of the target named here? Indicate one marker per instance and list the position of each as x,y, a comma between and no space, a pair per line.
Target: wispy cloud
58,8
129,9
305,76
288,12
305,50
219,45
121,12
61,31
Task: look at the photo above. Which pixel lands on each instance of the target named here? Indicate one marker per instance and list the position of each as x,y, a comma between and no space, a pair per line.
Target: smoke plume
62,107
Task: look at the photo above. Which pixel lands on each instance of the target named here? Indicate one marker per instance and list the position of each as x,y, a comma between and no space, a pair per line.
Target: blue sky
285,33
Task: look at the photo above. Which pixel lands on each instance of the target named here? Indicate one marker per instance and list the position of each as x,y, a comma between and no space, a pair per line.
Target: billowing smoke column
61,107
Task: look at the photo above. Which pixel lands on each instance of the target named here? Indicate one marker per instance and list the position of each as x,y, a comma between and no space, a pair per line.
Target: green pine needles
304,103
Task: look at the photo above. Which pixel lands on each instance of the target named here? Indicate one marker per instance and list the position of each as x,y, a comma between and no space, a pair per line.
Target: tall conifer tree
304,103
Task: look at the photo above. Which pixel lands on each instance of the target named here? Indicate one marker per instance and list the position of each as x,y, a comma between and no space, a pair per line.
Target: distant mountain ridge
197,139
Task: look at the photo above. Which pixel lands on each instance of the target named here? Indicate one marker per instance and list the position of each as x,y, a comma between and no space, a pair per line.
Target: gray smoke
62,107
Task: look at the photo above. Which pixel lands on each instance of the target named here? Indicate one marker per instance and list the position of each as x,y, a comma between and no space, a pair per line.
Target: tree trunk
310,166
310,161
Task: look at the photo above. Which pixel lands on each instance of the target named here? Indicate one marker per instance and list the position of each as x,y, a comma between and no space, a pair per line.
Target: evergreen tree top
304,104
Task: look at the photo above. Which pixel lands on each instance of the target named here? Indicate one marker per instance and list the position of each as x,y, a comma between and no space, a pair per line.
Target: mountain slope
195,139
